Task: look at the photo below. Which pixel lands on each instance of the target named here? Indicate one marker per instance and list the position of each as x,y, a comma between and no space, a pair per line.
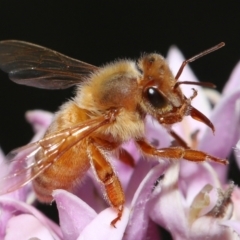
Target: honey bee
109,108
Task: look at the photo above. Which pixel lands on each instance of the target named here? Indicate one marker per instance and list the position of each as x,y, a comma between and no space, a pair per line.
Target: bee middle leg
179,140
178,153
109,179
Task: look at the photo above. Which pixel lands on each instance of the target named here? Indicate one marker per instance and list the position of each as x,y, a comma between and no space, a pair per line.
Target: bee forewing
40,67
17,169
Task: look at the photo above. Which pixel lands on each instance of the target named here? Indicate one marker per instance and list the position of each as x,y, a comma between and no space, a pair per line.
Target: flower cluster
191,201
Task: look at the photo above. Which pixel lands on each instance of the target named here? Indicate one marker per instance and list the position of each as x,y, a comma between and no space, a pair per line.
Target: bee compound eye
155,98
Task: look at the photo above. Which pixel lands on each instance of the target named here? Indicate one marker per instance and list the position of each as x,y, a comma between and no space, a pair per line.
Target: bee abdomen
62,174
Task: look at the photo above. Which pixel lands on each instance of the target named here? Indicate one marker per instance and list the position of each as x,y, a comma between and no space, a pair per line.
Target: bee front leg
109,179
178,153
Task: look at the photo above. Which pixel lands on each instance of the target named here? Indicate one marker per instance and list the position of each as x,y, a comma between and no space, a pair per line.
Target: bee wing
40,67
17,170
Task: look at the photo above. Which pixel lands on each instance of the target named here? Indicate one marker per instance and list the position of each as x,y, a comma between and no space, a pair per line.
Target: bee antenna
203,84
212,49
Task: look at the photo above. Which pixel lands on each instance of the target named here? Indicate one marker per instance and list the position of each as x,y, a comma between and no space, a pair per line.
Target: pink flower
79,221
18,219
194,201
191,201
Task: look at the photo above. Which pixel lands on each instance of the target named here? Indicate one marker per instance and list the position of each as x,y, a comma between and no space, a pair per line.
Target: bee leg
126,158
179,140
123,155
109,179
178,153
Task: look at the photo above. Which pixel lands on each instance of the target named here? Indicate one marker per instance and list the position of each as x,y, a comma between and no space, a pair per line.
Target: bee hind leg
109,179
118,218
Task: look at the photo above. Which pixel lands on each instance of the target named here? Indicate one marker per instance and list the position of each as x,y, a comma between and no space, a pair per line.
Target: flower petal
100,228
141,170
175,59
23,193
74,214
233,81
236,203
26,226
209,228
237,153
10,207
4,218
156,134
233,225
169,209
39,119
193,177
88,193
166,207
139,220
226,121
124,171
212,95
